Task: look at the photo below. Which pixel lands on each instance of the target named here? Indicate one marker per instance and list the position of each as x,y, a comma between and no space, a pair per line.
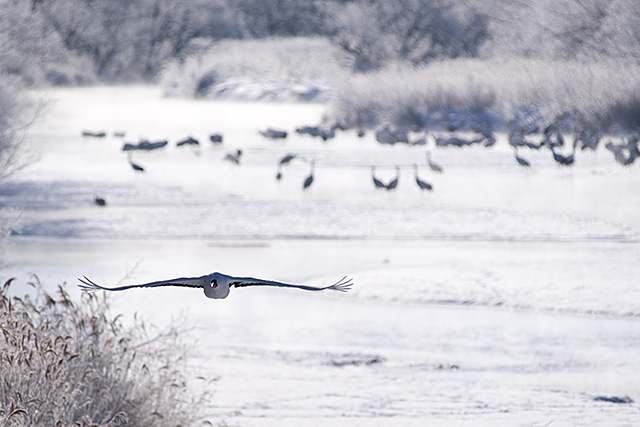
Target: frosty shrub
32,51
298,68
64,363
10,106
605,94
416,31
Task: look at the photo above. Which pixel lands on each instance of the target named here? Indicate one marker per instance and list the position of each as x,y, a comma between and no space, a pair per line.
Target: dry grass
64,363
273,69
605,94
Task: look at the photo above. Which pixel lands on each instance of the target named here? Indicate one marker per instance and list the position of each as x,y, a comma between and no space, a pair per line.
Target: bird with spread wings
216,285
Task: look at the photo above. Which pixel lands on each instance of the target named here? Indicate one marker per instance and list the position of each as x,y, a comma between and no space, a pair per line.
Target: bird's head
216,285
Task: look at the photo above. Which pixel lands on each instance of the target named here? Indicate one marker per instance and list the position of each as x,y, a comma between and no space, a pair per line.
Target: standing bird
570,159
287,159
188,141
394,183
376,181
516,139
552,137
559,158
307,182
216,138
521,160
283,161
567,160
434,166
424,185
216,285
136,167
234,157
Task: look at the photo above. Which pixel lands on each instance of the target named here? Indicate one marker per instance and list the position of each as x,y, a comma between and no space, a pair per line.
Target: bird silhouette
287,159
216,138
188,141
284,161
434,166
216,285
516,138
309,180
394,183
424,185
136,167
376,181
521,160
234,157
563,160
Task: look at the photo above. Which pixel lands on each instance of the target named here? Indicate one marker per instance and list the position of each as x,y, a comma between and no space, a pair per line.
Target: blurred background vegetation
81,41
374,62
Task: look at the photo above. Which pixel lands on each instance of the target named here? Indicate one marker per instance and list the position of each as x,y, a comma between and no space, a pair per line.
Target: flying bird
216,285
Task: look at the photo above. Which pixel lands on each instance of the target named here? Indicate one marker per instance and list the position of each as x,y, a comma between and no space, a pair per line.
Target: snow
505,297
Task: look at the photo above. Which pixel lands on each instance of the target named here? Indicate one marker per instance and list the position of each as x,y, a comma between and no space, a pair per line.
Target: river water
505,297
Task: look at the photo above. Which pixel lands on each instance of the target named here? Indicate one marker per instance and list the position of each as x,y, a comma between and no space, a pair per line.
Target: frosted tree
579,26
417,31
263,18
127,40
357,30
164,31
10,159
95,29
566,29
620,30
427,29
14,41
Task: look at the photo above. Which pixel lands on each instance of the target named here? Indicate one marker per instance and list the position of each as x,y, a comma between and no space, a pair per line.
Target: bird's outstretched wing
342,285
89,285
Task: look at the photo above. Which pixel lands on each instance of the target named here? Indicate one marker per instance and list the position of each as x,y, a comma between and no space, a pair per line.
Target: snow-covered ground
505,297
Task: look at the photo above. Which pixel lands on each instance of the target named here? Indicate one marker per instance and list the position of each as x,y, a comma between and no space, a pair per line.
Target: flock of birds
146,145
233,157
270,133
218,285
520,137
531,137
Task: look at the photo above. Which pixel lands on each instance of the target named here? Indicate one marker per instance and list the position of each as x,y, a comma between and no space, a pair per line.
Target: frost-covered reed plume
68,363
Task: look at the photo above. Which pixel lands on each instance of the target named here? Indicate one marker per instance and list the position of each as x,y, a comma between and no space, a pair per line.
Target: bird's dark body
215,285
